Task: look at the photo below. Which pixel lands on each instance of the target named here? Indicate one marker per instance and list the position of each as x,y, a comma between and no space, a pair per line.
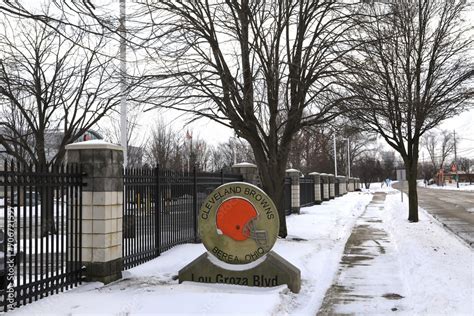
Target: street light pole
335,156
456,161
123,84
348,159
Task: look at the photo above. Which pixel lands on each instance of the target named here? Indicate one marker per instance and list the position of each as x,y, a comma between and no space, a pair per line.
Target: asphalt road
454,209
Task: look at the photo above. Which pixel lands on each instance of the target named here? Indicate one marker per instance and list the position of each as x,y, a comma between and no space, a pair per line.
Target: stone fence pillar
350,184
248,171
332,186
337,192
295,189
342,185
337,186
318,199
101,208
325,186
357,185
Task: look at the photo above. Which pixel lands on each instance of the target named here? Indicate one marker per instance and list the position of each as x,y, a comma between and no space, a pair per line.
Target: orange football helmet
236,218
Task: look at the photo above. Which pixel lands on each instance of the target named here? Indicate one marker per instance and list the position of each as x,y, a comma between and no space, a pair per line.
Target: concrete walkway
368,281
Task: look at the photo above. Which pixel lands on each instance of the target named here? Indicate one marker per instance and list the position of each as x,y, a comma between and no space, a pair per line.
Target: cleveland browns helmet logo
236,218
238,223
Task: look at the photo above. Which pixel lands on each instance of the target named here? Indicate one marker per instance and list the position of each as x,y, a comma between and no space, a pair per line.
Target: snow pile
435,270
420,268
315,246
463,186
436,267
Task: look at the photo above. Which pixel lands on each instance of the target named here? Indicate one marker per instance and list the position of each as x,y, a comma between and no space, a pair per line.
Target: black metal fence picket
287,196
306,191
40,233
160,209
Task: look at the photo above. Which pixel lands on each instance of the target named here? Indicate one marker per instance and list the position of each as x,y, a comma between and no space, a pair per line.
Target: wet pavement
368,280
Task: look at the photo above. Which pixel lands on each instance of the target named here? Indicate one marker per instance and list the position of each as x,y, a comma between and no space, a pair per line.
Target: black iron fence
40,233
306,191
287,196
160,209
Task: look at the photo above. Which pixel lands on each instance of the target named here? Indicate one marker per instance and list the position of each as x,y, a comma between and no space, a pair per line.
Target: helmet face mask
260,236
236,218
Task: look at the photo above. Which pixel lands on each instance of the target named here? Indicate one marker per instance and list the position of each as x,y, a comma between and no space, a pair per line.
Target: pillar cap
314,174
94,144
292,171
244,165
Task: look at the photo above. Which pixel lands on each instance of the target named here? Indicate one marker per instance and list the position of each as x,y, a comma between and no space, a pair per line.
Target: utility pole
123,83
335,156
456,160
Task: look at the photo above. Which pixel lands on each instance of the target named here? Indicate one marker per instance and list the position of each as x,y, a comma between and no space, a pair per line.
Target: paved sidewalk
368,281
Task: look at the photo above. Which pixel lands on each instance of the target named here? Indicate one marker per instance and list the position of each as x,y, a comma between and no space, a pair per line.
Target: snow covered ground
436,269
450,186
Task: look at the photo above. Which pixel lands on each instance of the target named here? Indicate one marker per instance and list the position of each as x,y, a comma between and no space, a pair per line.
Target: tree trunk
278,198
47,212
272,175
272,165
47,205
273,184
411,166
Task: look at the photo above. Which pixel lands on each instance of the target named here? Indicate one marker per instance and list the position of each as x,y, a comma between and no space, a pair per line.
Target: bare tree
312,149
197,153
263,68
110,128
235,150
412,70
439,147
165,148
53,89
175,151
389,164
465,164
368,169
52,86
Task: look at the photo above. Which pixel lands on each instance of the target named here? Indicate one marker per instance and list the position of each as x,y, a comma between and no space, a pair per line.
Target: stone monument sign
238,224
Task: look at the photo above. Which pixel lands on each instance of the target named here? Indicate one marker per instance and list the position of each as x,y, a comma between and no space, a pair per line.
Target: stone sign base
273,271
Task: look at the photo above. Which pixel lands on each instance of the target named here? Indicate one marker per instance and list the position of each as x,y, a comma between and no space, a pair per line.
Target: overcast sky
215,133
